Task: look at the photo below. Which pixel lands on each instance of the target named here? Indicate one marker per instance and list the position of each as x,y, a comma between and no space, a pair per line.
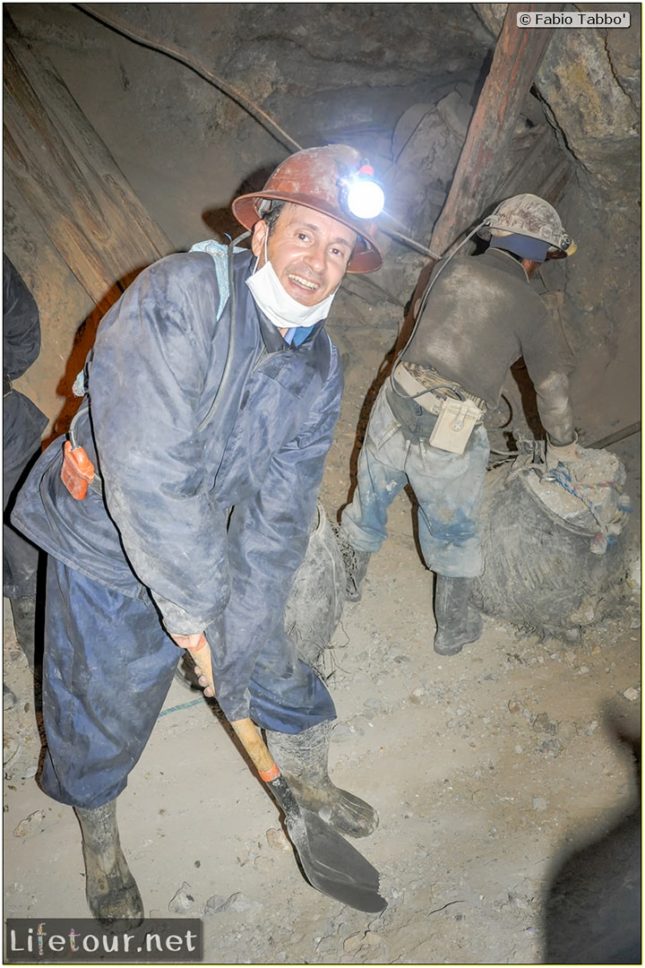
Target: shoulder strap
219,254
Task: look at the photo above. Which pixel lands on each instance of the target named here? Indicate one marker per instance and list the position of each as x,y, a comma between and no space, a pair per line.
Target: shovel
329,863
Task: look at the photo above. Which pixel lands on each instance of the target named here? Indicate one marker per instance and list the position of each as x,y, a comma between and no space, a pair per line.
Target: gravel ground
486,769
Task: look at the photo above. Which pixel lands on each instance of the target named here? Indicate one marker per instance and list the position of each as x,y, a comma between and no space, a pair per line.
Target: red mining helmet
322,179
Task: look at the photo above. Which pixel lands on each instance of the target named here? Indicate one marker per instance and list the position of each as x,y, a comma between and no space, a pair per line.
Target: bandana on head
522,245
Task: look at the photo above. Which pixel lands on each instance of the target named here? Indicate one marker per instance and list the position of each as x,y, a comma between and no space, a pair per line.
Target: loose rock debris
457,756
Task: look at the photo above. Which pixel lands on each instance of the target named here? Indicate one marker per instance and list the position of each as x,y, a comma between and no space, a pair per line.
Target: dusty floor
483,767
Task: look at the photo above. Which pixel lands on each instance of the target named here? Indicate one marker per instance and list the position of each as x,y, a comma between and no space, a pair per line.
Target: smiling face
309,252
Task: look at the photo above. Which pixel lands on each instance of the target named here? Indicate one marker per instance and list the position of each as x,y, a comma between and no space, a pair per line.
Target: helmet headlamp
322,179
364,197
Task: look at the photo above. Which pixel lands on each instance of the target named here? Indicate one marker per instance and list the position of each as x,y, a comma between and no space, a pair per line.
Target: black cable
245,103
250,106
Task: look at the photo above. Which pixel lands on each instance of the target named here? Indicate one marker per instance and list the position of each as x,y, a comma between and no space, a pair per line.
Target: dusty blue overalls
200,521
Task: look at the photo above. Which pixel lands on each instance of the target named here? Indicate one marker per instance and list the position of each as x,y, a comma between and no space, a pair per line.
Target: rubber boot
111,890
303,758
355,563
23,612
458,621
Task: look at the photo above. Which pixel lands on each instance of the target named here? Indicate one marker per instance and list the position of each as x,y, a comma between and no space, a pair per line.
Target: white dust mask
283,310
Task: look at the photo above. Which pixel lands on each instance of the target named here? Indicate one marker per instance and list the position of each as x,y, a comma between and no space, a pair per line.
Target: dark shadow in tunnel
481,78
528,398
592,910
221,221
363,419
84,339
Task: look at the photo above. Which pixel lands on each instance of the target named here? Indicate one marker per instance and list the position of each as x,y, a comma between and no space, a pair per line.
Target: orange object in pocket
77,472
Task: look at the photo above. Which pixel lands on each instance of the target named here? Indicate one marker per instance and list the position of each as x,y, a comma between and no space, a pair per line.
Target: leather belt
431,397
424,397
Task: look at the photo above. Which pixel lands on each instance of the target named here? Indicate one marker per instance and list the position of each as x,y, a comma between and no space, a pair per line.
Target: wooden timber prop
70,181
517,56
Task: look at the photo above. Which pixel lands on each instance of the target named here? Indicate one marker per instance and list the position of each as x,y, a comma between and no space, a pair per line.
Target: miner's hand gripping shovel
329,862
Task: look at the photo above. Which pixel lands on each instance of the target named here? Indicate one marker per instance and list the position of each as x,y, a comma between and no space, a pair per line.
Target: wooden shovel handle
245,729
250,738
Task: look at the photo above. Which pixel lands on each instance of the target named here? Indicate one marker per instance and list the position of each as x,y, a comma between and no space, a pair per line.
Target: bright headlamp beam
365,197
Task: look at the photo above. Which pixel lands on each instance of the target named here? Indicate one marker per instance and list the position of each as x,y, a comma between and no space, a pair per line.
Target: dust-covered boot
23,612
111,890
458,620
303,758
355,563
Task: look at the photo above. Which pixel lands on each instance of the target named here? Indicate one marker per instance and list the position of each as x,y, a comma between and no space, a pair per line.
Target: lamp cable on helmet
364,197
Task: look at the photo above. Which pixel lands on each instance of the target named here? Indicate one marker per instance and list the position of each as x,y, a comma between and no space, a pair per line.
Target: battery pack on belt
77,472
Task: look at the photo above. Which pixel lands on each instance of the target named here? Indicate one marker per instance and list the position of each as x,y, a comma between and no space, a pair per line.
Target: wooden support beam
70,181
516,59
541,168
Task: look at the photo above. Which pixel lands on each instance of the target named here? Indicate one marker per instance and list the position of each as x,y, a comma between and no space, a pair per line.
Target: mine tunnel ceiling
150,153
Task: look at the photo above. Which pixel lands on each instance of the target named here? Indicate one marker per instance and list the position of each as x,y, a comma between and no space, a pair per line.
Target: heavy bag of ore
317,596
554,563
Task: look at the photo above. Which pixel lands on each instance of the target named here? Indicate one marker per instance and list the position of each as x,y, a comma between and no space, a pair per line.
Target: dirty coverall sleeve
146,391
268,538
548,362
20,323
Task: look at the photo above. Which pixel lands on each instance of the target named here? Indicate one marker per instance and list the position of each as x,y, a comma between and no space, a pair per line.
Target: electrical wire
424,249
287,141
179,55
250,106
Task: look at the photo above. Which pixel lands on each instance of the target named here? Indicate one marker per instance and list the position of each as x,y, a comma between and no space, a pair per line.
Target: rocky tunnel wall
398,81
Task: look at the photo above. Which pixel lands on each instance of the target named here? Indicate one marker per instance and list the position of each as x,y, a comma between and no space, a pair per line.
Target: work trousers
107,668
20,557
448,488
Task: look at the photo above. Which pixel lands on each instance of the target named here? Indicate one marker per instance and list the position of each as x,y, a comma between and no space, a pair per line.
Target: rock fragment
234,902
182,901
30,825
277,839
631,694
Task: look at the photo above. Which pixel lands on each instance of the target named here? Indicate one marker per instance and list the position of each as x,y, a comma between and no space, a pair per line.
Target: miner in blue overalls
181,503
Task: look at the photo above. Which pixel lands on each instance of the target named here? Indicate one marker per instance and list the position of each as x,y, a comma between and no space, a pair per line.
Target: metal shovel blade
328,861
